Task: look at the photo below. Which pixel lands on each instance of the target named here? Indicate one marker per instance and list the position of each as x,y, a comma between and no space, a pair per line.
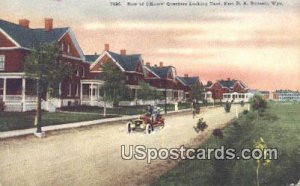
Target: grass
24,120
279,126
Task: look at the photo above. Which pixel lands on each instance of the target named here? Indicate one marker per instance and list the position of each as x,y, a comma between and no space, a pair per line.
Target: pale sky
259,45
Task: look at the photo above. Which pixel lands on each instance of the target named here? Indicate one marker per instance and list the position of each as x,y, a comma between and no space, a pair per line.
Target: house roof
162,72
189,81
91,58
28,37
230,83
127,62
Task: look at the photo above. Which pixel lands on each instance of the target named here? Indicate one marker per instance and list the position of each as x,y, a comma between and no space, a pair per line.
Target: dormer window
2,62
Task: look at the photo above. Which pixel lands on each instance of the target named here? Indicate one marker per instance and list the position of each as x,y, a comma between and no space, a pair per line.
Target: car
146,123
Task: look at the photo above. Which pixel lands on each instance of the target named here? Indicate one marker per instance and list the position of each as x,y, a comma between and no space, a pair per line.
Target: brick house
164,79
187,83
229,90
129,64
17,41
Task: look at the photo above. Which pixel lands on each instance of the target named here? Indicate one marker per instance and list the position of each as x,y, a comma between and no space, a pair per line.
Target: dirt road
92,155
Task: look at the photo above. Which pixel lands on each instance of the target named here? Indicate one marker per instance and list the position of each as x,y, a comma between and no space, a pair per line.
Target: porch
236,97
90,93
17,92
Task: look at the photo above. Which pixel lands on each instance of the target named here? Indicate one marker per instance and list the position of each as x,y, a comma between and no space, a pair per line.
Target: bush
218,133
227,106
258,103
2,106
245,112
242,103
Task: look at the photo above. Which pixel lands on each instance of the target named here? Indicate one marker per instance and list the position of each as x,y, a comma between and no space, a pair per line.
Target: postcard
150,92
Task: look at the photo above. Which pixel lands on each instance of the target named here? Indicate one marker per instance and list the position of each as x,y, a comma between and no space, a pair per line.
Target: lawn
24,120
279,126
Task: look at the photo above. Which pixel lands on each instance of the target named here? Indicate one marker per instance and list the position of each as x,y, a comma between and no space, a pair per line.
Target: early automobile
146,123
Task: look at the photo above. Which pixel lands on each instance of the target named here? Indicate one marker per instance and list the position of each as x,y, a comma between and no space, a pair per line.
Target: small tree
197,91
258,103
227,106
146,92
45,66
265,161
114,87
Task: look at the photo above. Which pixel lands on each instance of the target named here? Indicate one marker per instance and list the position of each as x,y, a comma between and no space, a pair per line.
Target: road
92,155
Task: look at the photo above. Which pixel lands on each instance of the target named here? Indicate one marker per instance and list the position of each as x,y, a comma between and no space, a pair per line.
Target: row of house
18,40
280,95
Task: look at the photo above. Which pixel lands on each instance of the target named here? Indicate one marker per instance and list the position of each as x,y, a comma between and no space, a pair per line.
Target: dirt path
92,155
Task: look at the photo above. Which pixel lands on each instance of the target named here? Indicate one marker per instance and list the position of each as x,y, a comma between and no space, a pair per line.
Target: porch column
4,89
81,91
60,94
91,91
135,94
23,94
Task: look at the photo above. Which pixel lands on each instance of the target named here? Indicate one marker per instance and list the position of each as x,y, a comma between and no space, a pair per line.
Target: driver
149,110
154,113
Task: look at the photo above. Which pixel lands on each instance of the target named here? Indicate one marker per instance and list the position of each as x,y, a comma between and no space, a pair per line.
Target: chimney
161,64
123,52
48,24
186,75
24,23
228,79
148,64
106,47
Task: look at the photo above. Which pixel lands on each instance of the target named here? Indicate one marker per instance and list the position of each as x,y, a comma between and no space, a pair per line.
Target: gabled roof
189,81
128,62
28,37
162,72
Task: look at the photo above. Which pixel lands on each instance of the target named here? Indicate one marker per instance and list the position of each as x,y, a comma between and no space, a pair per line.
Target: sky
259,45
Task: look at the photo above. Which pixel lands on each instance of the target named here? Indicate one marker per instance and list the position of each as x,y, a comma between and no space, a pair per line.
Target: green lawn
24,120
279,126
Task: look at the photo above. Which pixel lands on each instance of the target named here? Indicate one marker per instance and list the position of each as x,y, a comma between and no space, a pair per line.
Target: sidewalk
24,132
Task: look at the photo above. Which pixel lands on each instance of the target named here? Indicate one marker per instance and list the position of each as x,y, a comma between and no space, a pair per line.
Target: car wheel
128,127
148,129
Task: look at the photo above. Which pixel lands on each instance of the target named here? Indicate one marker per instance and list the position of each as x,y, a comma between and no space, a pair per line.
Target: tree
44,64
114,88
146,92
197,92
258,103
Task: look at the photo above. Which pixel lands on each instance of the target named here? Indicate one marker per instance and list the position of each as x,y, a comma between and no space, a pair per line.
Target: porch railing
17,98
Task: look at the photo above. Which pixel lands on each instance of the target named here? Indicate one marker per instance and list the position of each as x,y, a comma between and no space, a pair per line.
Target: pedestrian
194,108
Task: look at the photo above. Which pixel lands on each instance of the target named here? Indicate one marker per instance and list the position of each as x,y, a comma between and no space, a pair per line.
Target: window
68,49
2,62
83,72
77,70
62,47
77,90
